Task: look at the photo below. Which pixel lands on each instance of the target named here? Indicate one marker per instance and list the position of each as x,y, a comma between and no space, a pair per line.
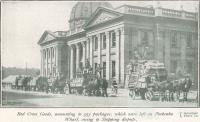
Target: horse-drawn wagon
86,84
77,85
143,77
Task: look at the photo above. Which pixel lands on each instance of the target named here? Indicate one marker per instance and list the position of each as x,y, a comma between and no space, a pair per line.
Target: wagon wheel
177,96
132,93
66,91
149,95
85,92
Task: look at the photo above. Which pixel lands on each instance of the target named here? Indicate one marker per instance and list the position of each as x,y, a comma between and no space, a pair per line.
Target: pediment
46,37
102,15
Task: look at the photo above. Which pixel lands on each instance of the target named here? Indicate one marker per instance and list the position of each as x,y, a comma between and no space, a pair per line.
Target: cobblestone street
38,99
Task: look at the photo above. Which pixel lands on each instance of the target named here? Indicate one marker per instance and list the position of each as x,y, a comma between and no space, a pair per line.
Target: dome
82,11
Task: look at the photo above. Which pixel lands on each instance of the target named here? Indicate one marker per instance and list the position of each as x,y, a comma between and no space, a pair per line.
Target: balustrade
190,15
163,12
172,13
141,10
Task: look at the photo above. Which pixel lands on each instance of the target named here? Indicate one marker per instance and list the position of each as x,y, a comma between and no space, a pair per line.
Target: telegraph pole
26,68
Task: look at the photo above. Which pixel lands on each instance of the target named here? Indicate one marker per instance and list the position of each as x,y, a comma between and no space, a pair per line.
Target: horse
41,83
164,88
182,86
58,85
93,87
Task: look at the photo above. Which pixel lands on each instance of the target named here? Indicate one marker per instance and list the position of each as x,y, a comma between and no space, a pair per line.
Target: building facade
111,37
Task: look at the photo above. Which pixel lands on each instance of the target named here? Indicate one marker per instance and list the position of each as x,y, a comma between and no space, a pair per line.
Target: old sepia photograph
137,54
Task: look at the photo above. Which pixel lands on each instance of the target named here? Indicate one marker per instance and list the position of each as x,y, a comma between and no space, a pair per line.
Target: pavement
16,98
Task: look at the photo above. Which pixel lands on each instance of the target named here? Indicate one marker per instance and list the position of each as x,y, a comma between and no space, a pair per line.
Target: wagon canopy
33,81
77,82
10,79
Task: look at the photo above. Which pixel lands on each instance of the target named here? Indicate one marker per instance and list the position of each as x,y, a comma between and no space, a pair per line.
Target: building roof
84,10
80,19
10,79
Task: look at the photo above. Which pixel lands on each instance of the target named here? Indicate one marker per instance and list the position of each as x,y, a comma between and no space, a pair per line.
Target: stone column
167,50
87,49
84,52
58,59
71,62
183,50
158,44
51,67
47,62
55,61
42,58
99,48
107,56
122,62
139,37
117,33
91,51
77,57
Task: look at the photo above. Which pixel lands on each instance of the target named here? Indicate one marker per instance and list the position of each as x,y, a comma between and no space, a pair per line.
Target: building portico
110,38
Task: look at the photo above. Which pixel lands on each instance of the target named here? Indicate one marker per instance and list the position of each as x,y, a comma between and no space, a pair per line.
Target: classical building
112,37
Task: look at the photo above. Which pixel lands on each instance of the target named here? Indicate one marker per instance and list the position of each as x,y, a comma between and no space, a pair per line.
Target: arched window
103,40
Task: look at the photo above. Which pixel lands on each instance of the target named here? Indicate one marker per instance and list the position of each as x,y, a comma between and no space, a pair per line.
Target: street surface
13,98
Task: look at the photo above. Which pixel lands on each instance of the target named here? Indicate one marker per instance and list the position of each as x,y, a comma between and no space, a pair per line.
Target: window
189,40
113,35
48,71
104,69
145,39
113,69
189,67
173,66
95,43
174,40
104,41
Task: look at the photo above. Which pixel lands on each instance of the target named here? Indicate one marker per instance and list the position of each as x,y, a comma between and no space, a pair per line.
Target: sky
23,23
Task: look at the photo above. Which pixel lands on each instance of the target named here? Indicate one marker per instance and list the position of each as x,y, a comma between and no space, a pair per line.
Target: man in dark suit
104,87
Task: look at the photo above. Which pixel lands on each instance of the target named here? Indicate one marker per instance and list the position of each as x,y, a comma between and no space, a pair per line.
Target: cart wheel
148,95
132,94
84,92
66,91
174,97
